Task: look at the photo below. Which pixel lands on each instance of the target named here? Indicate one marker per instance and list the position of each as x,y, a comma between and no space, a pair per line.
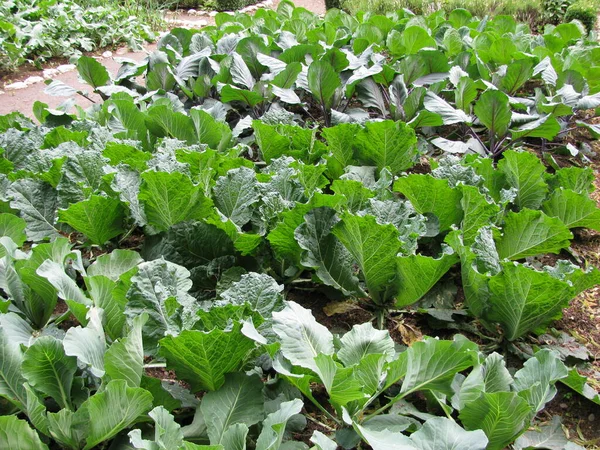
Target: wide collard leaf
167,432
387,144
324,252
11,377
48,369
524,172
13,227
323,81
170,198
238,401
88,344
531,233
452,357
160,288
478,212
431,195
374,247
124,360
92,72
217,135
235,193
492,110
36,202
203,358
16,434
441,433
550,436
302,337
114,264
98,218
524,300
364,340
449,115
274,425
260,291
340,144
115,409
501,415
575,210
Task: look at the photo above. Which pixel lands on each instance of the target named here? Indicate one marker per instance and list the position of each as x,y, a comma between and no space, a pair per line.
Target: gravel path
23,99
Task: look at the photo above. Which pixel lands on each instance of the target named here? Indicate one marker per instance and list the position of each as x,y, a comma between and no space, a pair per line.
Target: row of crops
155,236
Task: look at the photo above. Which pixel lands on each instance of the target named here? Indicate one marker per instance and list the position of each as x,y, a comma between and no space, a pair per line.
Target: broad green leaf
493,111
114,264
550,436
384,439
431,195
110,297
478,212
238,401
167,432
417,274
115,409
124,359
16,434
232,94
324,252
340,144
88,344
415,38
235,193
362,341
69,428
387,144
170,198
442,433
524,300
531,233
524,172
546,127
160,289
517,74
323,81
215,134
99,218
235,437
501,415
374,247
11,377
274,425
451,358
36,202
322,442
126,154
203,358
13,227
573,209
92,72
48,369
579,384
302,337
240,73
261,291
574,178
535,381
164,122
340,383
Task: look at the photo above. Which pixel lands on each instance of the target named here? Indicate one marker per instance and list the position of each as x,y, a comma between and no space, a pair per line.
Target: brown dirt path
23,99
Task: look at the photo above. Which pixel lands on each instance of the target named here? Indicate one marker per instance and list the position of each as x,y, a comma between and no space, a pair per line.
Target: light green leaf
535,381
546,127
384,440
550,436
261,291
215,134
115,409
274,425
16,434
374,247
442,433
415,38
524,172
531,233
48,369
37,203
11,377
99,218
449,114
387,144
451,358
13,227
431,195
167,432
238,401
323,442
364,340
203,358
417,274
170,198
501,415
235,193
92,72
524,300
579,384
162,121
89,343
478,212
340,144
573,209
114,264
324,252
124,360
302,337
232,94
